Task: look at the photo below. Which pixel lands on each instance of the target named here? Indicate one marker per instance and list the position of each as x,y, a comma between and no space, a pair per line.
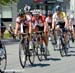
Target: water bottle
30,45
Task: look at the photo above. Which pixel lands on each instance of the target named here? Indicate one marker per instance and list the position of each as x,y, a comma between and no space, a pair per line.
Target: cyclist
59,20
49,21
72,23
39,24
23,23
26,22
11,30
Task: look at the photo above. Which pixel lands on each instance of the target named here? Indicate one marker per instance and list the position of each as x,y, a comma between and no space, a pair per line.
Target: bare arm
17,27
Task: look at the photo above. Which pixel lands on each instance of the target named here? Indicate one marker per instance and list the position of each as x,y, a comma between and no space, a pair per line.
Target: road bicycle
24,52
63,44
41,51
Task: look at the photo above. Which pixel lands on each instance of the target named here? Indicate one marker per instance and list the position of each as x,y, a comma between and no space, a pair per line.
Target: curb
10,41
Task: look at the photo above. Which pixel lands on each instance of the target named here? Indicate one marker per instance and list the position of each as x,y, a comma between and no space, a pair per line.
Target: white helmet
27,8
36,12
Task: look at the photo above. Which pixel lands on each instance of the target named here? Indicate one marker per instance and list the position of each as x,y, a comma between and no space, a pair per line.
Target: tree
5,2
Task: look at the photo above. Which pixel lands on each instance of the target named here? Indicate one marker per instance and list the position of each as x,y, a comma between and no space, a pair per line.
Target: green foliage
5,2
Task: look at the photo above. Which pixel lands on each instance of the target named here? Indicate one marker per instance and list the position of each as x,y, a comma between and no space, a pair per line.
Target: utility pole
46,7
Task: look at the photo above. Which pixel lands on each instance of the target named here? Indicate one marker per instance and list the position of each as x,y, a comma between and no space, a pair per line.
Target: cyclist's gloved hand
51,29
14,36
66,28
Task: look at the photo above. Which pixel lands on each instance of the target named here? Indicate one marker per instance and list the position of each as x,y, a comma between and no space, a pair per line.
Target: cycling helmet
27,9
21,12
36,12
71,16
58,8
50,13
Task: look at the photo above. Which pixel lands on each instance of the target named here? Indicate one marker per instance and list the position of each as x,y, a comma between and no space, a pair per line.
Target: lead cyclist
39,24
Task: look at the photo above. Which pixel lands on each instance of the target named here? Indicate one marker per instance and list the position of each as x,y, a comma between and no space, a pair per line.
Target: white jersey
28,18
57,19
48,20
18,20
23,22
37,23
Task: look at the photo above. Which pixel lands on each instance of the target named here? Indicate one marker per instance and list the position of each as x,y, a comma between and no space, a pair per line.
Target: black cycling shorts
41,28
25,28
61,24
0,44
50,24
73,26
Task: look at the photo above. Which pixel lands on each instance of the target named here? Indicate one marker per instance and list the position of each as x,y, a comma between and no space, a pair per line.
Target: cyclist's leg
25,30
66,38
74,31
40,29
49,27
57,28
46,38
0,44
71,32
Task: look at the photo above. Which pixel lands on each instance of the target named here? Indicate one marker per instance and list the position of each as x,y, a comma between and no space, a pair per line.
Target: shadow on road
40,65
72,52
72,47
54,59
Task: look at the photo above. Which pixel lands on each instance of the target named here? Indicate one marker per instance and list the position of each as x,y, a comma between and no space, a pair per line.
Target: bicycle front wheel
22,55
45,52
3,58
31,56
39,52
61,47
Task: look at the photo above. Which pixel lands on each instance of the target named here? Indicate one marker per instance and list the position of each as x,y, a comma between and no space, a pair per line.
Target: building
72,6
8,13
42,4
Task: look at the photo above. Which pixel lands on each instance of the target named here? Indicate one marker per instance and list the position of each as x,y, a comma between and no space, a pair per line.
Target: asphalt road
54,64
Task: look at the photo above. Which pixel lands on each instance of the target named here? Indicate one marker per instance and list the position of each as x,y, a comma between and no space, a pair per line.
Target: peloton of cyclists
35,21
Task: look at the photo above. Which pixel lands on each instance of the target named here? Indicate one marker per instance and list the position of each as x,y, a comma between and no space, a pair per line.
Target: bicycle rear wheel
3,58
22,55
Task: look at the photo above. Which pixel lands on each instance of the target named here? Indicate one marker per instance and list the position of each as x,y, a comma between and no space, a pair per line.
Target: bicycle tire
32,56
21,47
5,57
61,48
39,52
